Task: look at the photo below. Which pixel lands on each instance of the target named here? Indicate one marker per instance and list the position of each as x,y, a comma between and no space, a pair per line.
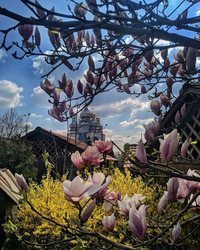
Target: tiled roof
66,138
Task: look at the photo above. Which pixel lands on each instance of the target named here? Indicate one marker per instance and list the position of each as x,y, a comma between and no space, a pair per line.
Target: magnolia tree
130,46
133,47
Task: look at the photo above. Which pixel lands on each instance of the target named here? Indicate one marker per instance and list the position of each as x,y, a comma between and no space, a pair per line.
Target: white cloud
10,94
33,115
40,98
127,106
120,139
137,123
2,55
41,67
39,64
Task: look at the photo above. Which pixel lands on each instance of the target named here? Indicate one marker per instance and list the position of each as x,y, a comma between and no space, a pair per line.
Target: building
59,148
185,116
87,128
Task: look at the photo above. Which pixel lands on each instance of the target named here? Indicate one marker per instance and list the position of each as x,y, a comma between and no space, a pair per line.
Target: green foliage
16,154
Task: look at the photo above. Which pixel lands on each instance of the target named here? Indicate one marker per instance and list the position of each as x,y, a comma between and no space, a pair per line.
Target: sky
19,89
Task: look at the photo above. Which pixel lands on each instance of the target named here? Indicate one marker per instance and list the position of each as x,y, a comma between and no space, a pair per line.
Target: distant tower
74,126
88,129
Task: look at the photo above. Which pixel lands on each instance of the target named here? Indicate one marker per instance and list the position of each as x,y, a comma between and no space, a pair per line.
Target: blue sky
19,88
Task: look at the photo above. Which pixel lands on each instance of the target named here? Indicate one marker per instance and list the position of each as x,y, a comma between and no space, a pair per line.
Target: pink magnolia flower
169,145
109,222
141,152
163,203
78,189
112,196
128,202
91,156
77,160
137,221
184,148
110,199
102,181
104,147
176,231
172,188
182,191
193,186
85,215
196,203
21,182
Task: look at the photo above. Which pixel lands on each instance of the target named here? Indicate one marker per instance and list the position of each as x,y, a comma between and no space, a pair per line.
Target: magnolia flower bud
148,56
164,100
191,56
183,109
88,90
69,89
67,63
163,203
177,117
169,81
25,31
184,148
93,40
89,77
39,11
164,53
172,188
173,70
155,107
166,64
87,38
50,16
54,38
143,89
169,145
91,63
47,86
176,231
21,182
56,96
80,87
77,160
85,215
37,37
109,222
79,11
141,152
137,221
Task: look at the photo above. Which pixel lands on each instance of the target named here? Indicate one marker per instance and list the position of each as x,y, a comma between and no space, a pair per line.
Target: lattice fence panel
191,131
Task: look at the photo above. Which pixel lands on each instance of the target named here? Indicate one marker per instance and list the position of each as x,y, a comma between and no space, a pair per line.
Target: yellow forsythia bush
48,199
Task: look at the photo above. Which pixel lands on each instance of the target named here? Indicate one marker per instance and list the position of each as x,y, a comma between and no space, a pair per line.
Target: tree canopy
137,47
